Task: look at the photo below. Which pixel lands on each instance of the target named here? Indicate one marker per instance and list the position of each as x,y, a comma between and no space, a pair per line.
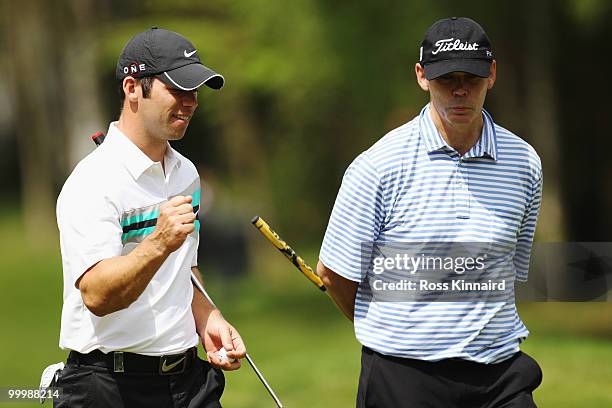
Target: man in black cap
128,225
448,178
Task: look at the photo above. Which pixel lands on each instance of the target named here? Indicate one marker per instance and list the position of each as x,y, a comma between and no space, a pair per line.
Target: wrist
210,315
156,246
214,313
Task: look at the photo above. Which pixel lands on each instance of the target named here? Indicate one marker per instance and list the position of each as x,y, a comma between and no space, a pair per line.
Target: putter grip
98,138
286,250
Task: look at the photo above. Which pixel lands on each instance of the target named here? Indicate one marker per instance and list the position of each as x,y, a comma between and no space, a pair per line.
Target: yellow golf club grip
286,250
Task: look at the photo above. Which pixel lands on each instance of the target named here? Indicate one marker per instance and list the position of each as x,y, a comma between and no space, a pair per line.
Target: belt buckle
172,364
118,362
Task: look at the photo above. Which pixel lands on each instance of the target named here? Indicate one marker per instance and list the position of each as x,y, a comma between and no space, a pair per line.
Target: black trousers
89,386
391,382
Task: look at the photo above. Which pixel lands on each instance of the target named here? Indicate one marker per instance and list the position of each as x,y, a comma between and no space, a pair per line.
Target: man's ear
130,89
492,75
420,76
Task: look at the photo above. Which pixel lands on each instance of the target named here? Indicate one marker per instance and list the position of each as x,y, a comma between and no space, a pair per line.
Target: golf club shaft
98,138
286,250
279,404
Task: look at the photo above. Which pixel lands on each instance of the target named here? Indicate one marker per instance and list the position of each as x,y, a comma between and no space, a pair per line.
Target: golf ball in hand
222,354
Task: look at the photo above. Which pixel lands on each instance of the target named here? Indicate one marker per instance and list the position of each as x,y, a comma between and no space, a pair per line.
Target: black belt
124,362
453,360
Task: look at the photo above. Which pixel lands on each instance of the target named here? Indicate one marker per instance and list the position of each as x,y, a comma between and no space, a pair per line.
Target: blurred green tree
54,83
310,84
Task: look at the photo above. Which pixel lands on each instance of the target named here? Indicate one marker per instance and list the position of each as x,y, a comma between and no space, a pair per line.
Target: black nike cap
168,56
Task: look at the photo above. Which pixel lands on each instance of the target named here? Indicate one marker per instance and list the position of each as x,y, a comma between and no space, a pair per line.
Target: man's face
458,97
166,112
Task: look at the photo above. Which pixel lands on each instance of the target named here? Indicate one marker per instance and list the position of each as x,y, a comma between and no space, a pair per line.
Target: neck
155,149
460,137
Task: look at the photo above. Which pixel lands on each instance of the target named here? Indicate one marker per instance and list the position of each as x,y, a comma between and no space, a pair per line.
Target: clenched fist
174,224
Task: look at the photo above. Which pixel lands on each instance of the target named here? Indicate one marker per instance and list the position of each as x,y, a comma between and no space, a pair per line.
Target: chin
177,137
460,119
177,134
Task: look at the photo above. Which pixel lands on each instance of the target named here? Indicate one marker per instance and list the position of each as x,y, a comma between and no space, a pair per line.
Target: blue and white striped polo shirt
411,186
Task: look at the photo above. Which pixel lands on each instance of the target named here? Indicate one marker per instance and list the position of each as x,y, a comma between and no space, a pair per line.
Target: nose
189,98
460,86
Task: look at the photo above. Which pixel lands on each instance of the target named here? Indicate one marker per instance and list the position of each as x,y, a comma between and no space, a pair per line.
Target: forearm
115,283
200,306
341,290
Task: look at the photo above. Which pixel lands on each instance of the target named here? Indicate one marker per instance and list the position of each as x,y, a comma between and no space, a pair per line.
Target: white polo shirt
108,205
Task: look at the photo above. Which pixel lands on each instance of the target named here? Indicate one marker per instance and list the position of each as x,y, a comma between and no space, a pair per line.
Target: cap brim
192,76
479,67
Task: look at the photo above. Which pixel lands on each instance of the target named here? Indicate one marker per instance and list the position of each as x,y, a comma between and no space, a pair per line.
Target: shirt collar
132,157
486,146
171,160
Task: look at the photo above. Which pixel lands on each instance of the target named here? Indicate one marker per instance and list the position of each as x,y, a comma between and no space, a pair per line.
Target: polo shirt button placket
462,195
158,172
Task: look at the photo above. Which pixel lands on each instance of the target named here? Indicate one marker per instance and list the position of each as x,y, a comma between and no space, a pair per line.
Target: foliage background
310,84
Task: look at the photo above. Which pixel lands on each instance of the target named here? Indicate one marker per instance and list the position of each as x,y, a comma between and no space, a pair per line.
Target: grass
306,350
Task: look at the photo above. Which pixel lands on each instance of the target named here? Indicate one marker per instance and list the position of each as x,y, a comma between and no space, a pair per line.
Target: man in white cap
460,195
128,225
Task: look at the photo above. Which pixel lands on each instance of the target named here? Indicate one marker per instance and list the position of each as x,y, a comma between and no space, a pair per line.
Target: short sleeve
89,227
355,222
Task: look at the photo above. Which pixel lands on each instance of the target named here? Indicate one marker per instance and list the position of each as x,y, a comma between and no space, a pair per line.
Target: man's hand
174,224
219,333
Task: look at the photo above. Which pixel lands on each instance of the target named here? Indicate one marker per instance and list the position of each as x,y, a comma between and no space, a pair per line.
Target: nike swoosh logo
165,368
189,54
